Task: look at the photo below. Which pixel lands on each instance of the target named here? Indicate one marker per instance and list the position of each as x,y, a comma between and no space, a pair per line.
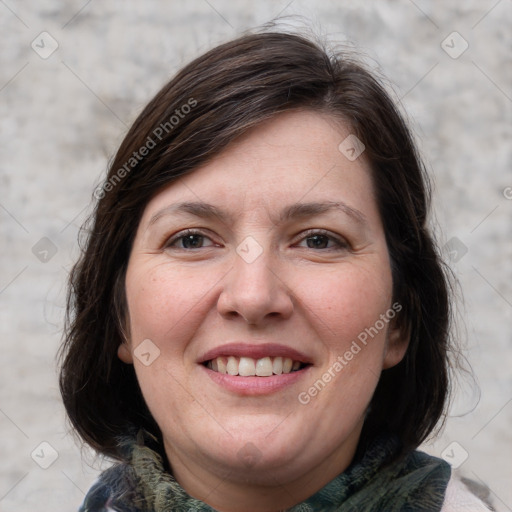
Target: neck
262,489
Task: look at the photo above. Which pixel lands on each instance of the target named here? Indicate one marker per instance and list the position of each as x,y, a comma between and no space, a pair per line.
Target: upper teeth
247,366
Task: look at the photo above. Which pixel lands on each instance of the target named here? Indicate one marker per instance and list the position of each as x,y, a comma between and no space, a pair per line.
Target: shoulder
459,498
115,490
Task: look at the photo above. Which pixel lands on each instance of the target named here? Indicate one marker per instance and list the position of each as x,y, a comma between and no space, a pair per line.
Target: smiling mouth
249,367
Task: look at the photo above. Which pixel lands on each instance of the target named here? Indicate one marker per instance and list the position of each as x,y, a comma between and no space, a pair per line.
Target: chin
263,467
262,454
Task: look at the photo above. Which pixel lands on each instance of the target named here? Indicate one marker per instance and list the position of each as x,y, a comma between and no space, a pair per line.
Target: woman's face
270,256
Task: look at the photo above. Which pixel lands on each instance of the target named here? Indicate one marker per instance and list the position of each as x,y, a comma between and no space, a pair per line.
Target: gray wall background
63,115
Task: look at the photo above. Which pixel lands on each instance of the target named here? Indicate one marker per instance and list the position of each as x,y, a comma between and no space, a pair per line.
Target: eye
189,239
320,239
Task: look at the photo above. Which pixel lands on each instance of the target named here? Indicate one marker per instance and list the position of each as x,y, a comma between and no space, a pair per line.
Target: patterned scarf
415,483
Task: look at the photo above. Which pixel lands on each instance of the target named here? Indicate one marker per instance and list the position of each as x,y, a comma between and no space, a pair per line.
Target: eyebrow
293,211
198,209
300,210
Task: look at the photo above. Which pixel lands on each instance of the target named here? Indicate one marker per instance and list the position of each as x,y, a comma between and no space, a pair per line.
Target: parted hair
227,91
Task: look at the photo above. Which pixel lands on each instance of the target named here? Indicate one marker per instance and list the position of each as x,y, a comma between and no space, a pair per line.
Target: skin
267,452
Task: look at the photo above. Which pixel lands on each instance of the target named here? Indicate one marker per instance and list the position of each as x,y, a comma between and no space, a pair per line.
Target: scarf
414,483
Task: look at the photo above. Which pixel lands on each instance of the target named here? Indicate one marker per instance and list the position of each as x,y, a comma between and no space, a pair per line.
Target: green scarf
415,483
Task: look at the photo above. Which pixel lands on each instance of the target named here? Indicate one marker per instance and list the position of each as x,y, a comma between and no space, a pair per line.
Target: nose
255,292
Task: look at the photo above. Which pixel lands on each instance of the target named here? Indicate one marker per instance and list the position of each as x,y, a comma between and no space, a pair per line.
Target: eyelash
182,235
340,243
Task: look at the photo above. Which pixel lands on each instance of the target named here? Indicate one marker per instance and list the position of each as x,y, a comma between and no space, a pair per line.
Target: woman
259,319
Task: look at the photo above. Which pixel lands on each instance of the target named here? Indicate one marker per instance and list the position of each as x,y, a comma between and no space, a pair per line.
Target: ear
124,353
396,346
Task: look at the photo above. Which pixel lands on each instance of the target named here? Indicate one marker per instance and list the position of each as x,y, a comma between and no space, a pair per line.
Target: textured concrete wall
63,113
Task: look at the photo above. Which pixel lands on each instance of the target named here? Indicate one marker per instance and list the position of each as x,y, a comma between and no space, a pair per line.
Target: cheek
165,302
343,303
346,313
343,306
166,305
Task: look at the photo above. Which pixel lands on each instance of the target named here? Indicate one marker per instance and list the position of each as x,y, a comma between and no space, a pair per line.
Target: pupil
317,242
192,241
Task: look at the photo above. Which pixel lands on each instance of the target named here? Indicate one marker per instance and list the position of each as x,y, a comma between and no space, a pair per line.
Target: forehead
293,157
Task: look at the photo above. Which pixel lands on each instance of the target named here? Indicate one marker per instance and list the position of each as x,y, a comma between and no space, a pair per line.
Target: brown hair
227,91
